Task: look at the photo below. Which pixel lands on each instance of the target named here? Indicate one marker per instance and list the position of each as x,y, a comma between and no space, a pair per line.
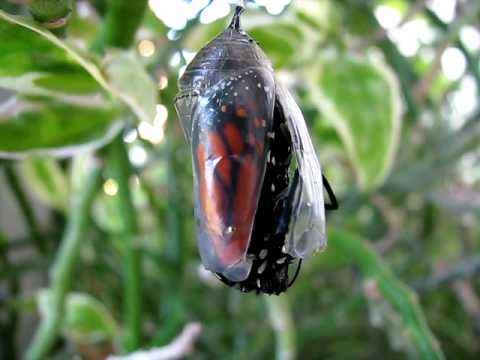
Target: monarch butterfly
257,181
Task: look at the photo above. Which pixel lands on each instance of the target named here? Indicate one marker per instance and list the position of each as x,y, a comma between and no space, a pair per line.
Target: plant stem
8,332
121,170
118,30
120,25
472,60
25,208
389,288
175,222
61,275
282,324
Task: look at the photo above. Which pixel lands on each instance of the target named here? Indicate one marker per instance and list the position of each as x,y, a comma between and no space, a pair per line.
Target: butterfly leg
333,205
287,199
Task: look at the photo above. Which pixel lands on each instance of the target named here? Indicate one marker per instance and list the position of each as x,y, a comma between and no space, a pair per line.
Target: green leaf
48,181
418,339
67,87
279,41
86,320
32,49
204,34
320,15
361,99
36,62
58,129
128,78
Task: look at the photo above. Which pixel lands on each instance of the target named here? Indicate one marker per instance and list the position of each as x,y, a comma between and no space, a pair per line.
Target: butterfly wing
307,232
229,143
185,103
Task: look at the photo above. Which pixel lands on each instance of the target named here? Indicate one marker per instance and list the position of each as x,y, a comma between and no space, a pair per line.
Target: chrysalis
257,181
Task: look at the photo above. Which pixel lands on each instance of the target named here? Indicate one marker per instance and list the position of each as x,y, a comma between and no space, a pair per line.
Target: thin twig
180,347
464,289
423,87
394,222
465,293
472,59
469,266
381,34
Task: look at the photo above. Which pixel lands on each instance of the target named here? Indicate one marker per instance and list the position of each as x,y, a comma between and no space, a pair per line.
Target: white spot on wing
262,267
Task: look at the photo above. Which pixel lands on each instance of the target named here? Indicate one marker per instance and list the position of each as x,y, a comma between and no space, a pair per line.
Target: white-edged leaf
129,80
361,99
47,65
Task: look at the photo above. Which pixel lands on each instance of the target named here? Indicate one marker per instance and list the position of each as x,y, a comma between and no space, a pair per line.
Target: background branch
381,34
132,302
422,89
62,270
8,328
120,24
469,266
25,207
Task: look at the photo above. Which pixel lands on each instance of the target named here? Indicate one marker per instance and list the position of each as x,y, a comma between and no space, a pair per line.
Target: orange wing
230,145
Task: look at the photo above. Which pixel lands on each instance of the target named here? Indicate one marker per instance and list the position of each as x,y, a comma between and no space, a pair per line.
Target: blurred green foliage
89,135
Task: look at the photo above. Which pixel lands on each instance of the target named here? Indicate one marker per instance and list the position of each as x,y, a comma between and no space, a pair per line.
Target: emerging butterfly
257,209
